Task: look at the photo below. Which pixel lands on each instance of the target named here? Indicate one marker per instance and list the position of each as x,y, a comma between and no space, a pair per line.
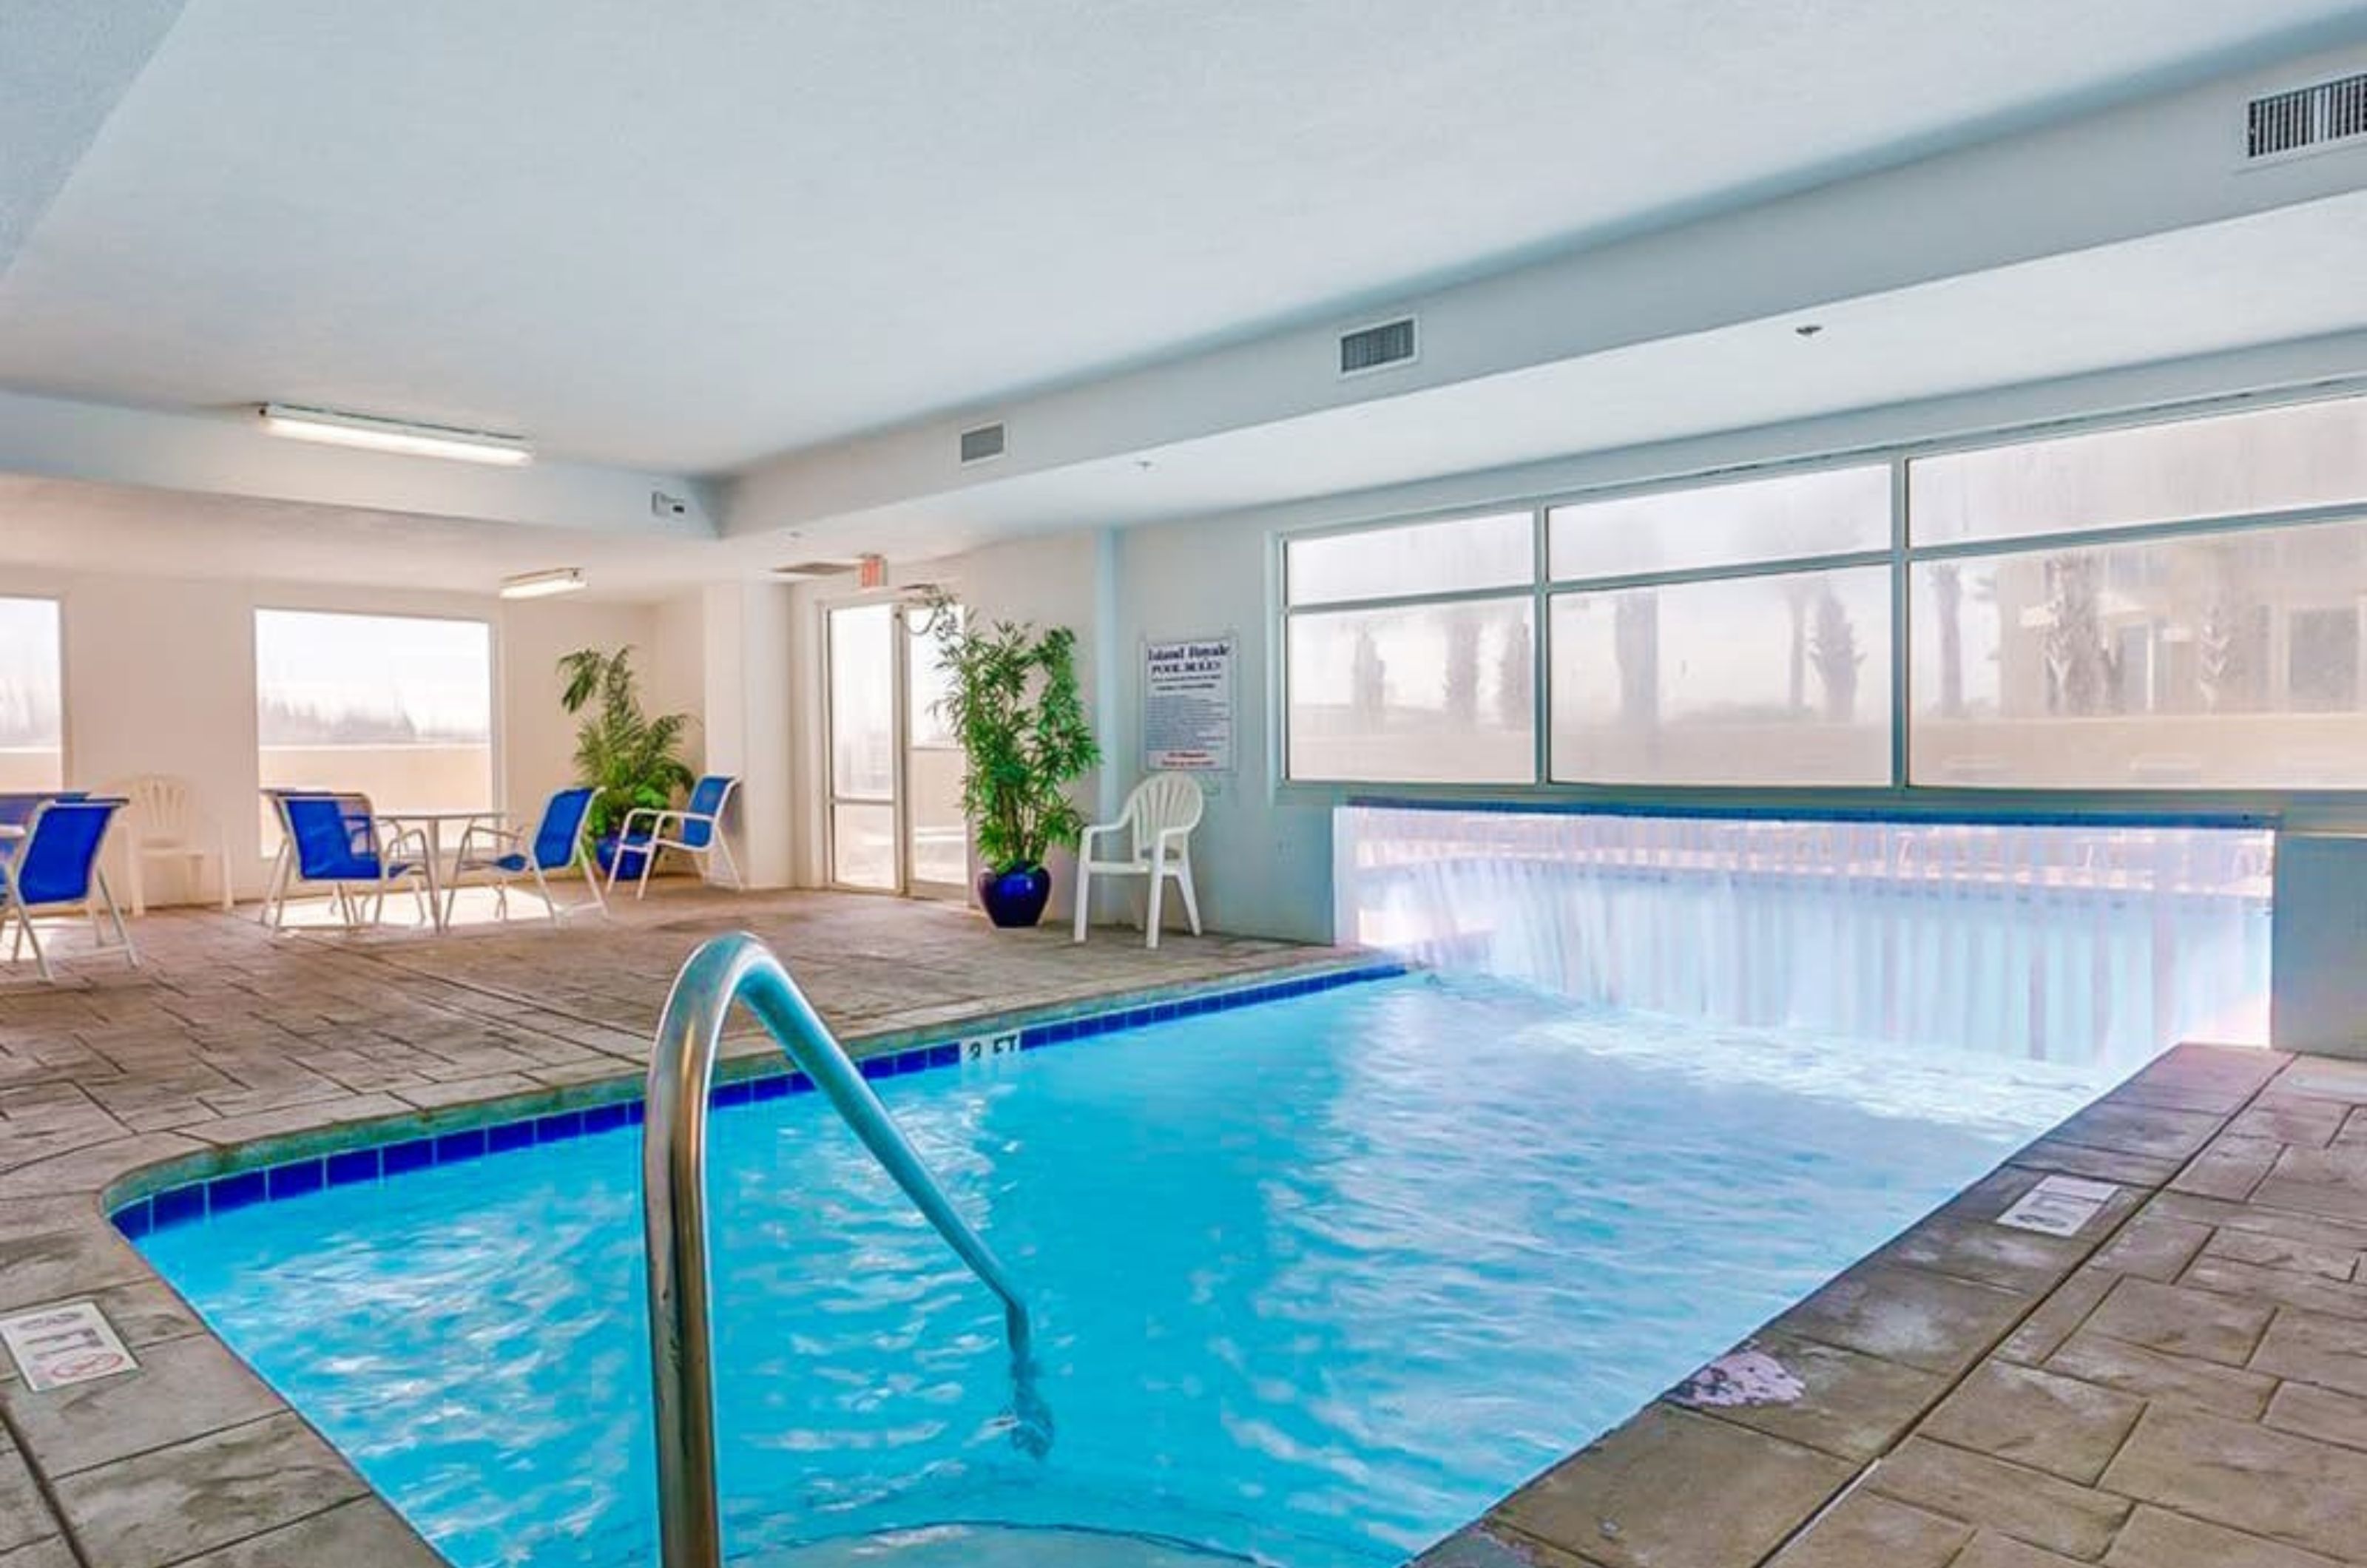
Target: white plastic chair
162,820
1159,818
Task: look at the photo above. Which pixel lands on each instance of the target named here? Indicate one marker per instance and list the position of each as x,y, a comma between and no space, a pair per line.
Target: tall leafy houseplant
1013,705
629,757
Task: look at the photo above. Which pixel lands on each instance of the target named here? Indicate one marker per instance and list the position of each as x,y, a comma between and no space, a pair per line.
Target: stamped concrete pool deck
2181,1383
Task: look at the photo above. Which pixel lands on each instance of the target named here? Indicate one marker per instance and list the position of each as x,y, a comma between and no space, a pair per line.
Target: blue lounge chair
54,868
335,838
496,854
696,830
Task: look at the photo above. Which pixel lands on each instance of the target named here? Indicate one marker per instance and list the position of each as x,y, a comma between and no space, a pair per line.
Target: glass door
936,835
896,823
864,648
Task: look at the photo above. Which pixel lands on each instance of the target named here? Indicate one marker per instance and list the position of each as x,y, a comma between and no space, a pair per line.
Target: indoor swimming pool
1315,1281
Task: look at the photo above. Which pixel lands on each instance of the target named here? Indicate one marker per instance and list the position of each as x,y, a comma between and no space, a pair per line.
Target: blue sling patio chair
336,840
53,868
496,854
696,830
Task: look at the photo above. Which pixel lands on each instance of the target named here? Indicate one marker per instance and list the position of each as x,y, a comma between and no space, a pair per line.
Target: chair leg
122,932
542,887
723,847
1151,923
223,862
649,864
1183,886
271,885
1084,895
136,871
25,928
592,878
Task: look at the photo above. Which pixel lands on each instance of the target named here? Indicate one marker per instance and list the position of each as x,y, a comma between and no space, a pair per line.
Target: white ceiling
683,237
2268,279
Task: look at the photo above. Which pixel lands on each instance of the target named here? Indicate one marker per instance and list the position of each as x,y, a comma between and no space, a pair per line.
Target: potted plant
1012,702
628,758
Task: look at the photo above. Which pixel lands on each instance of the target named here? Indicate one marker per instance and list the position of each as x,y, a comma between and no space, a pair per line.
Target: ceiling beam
224,453
2154,166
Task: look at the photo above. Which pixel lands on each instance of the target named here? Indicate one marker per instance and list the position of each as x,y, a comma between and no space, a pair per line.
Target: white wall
159,676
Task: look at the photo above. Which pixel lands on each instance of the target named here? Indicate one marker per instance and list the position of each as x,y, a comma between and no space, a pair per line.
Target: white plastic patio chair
162,820
1159,818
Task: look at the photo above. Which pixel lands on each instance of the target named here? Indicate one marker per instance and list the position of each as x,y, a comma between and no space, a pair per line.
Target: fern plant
631,759
1012,703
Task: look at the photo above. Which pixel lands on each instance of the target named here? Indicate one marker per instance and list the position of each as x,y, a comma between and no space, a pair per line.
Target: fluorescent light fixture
393,436
543,584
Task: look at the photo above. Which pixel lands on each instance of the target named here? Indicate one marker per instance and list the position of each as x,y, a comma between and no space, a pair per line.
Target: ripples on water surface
1315,1281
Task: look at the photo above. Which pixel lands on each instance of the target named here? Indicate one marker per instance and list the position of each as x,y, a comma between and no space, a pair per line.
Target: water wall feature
2074,944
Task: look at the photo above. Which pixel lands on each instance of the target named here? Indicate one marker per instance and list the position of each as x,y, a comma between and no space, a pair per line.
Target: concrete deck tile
2154,1131
184,1388
2311,1124
2153,1246
1853,1405
2319,1413
2008,1499
161,1506
2227,1277
2323,1077
50,1265
1480,1546
1979,1249
24,1517
2182,1321
49,1551
2058,1317
2003,1551
2269,1483
2043,1419
364,1533
1614,1504
2313,1347
2229,1168
2156,1539
1863,1530
2267,1252
2155,1375
434,1095
2058,1155
1932,1322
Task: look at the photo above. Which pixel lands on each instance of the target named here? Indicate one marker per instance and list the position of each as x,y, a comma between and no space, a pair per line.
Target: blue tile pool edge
171,1193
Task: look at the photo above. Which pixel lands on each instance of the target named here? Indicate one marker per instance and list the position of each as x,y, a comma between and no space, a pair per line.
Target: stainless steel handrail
673,1176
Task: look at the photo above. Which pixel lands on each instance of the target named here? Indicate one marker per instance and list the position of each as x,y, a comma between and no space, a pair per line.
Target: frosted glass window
1454,557
1434,693
2228,660
1780,680
2229,465
396,707
31,725
1829,512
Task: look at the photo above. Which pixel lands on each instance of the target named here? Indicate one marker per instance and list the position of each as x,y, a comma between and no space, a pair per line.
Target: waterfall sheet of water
2084,944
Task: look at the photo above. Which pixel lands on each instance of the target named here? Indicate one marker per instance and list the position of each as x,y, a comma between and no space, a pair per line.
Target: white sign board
1187,705
58,1346
2060,1205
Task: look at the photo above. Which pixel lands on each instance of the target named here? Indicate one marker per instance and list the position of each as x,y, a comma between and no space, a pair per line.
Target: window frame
496,718
57,603
1899,797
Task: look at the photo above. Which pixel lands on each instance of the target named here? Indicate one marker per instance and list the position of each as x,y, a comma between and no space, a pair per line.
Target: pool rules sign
1187,705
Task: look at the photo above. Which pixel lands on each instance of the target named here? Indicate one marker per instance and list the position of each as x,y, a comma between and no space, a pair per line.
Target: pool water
1315,1281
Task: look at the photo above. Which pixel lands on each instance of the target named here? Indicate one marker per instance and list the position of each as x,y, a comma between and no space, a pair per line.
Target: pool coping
291,1165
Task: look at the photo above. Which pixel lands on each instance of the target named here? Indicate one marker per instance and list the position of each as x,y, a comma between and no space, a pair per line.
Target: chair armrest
655,814
499,835
1085,838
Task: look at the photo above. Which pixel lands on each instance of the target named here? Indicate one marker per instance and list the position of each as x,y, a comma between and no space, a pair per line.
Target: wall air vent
1377,347
2307,118
978,445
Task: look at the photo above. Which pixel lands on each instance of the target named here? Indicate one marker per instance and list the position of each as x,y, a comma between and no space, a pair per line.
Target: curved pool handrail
726,969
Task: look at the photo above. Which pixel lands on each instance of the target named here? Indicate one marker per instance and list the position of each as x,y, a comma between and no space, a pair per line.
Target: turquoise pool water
1315,1280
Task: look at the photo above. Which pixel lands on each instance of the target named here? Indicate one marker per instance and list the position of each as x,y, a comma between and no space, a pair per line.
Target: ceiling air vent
978,445
2306,117
805,570
1377,347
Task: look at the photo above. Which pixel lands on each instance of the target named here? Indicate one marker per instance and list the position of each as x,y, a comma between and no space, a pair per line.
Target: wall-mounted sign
1187,705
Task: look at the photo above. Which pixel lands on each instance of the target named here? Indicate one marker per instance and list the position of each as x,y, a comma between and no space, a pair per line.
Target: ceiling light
543,584
393,436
